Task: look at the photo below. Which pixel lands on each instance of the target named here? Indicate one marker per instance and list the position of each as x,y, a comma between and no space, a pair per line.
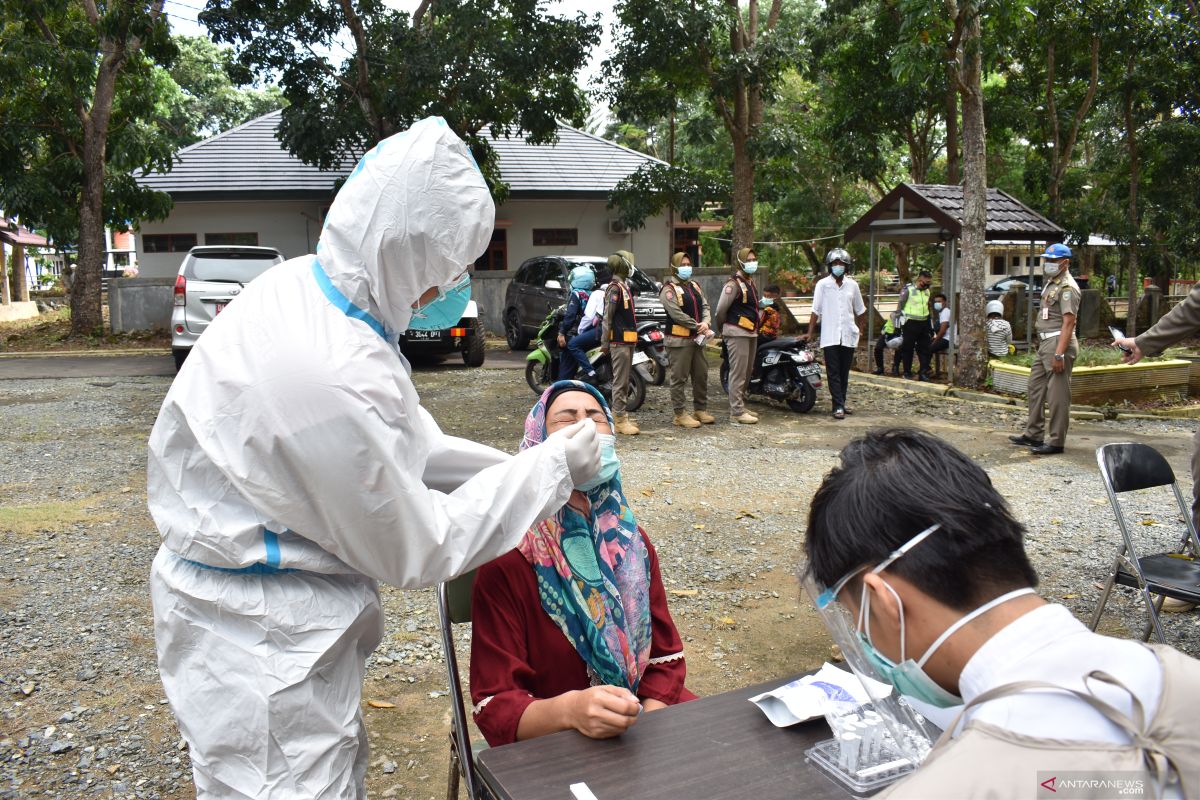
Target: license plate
219,307
419,335
640,358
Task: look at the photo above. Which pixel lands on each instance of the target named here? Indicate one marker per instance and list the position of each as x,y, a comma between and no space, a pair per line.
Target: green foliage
653,187
491,68
50,57
1088,357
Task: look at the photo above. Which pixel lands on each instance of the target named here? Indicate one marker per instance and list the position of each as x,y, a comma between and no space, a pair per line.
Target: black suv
541,285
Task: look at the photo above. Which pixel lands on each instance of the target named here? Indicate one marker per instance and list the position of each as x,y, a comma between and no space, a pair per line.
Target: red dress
519,655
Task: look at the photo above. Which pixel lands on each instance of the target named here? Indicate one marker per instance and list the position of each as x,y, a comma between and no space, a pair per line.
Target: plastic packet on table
809,697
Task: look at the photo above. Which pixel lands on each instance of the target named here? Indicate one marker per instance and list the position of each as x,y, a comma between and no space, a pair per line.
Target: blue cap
1057,251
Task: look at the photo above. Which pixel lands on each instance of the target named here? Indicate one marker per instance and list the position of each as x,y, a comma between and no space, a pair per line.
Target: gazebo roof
930,212
16,234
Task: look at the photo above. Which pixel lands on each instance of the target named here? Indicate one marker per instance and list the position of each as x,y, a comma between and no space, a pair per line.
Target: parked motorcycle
784,369
541,365
651,342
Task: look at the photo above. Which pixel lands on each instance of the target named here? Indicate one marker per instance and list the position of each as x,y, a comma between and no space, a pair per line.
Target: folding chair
1127,467
454,606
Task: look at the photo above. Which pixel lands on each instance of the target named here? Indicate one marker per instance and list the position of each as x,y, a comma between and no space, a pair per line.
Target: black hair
924,274
939,294
603,274
774,287
890,485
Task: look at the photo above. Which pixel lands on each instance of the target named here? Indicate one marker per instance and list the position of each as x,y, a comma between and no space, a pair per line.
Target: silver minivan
209,279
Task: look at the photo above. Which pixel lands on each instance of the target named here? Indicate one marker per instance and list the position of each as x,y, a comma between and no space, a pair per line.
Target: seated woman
571,629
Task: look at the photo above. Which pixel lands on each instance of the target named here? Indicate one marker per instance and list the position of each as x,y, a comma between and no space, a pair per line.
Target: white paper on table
805,698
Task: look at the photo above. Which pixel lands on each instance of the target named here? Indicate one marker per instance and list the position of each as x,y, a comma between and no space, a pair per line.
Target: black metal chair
454,606
1127,467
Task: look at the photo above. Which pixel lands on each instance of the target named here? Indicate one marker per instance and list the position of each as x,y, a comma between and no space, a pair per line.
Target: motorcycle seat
781,342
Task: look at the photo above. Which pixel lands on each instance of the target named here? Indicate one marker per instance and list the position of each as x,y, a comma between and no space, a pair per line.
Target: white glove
582,446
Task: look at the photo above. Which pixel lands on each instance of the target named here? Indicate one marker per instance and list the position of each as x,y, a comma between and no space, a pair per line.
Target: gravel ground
83,714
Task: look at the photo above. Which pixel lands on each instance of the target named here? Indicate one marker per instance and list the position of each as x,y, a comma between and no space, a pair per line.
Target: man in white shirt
837,303
942,591
943,338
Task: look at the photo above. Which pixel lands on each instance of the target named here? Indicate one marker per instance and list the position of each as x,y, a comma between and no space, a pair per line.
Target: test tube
852,743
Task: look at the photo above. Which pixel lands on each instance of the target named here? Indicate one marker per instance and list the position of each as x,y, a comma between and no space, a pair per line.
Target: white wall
590,218
285,226
292,227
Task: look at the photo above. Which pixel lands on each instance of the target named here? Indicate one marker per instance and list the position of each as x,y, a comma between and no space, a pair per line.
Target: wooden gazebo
933,213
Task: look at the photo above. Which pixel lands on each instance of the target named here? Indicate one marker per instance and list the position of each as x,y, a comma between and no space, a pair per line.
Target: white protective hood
414,214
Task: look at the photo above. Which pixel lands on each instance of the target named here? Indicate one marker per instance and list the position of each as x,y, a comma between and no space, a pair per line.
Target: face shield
884,738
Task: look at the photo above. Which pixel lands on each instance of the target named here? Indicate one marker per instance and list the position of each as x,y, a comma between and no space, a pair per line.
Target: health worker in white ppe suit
292,467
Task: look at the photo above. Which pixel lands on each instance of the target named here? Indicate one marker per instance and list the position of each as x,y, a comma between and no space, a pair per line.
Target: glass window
168,242
496,255
997,265
555,237
234,239
231,267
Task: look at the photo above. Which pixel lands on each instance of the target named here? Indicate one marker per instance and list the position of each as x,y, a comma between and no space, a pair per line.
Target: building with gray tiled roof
243,187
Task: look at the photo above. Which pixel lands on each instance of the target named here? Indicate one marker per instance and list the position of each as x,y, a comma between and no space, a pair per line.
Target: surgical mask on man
838,270
446,310
937,306
685,272
750,267
610,465
1051,268
766,302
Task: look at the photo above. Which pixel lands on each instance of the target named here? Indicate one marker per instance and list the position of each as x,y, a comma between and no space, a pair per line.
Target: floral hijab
593,568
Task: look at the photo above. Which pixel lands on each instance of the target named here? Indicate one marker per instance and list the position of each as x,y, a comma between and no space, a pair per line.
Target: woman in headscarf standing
737,318
571,630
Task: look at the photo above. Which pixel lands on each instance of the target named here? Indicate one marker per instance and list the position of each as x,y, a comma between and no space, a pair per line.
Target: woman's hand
601,712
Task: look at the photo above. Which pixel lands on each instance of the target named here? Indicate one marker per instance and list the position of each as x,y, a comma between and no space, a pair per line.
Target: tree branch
362,88
1052,109
419,14
1081,112
774,14
93,14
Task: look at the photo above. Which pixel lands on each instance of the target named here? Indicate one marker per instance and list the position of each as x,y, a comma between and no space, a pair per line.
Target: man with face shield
933,595
292,467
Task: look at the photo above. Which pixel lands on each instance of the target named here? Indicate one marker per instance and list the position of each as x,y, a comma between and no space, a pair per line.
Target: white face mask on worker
1052,268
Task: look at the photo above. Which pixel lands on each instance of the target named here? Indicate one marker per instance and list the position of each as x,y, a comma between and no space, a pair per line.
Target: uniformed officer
737,316
618,337
1050,373
914,305
687,318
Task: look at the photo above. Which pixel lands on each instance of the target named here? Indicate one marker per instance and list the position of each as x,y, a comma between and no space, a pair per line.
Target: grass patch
1088,357
52,331
50,517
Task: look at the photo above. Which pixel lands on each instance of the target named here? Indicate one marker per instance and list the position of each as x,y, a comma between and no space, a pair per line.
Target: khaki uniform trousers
688,361
741,356
1048,388
622,366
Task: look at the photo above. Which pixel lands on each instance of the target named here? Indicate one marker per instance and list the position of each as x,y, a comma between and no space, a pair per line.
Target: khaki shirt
1060,296
670,296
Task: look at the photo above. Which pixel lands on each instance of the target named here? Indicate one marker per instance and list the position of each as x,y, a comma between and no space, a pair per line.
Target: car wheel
180,354
514,332
474,354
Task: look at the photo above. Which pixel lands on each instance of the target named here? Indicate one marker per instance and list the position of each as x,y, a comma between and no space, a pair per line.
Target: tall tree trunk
86,315
1134,222
971,369
743,193
951,113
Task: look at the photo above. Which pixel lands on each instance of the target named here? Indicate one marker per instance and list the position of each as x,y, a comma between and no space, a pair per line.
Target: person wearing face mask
287,479
914,305
687,318
737,318
938,595
1050,373
942,337
837,303
619,336
571,630
770,320
583,280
